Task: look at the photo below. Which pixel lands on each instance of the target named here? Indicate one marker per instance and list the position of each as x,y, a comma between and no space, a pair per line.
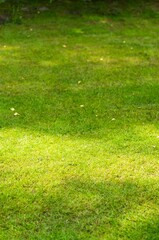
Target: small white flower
12,109
64,46
113,119
101,59
81,106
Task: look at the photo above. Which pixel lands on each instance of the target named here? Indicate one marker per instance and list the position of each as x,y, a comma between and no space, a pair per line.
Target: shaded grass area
80,159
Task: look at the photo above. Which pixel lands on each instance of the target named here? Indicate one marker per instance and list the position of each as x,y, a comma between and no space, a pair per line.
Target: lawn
79,127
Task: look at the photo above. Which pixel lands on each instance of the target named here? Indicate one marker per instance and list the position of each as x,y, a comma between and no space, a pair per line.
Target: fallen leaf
16,114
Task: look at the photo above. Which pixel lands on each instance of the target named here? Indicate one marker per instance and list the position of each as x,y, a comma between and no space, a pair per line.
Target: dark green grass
80,161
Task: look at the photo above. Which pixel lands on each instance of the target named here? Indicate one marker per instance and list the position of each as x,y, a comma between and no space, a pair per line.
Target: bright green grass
81,161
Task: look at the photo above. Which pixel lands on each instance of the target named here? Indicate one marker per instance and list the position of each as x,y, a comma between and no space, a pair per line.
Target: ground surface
80,128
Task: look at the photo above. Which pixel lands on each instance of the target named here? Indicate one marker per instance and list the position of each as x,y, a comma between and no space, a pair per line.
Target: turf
79,128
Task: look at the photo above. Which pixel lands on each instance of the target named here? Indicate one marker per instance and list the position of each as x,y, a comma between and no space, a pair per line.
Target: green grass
81,160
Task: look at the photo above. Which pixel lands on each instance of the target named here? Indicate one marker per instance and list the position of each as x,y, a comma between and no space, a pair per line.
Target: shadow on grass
78,209
67,99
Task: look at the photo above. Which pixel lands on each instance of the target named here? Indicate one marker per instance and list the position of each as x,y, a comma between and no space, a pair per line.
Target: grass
80,160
